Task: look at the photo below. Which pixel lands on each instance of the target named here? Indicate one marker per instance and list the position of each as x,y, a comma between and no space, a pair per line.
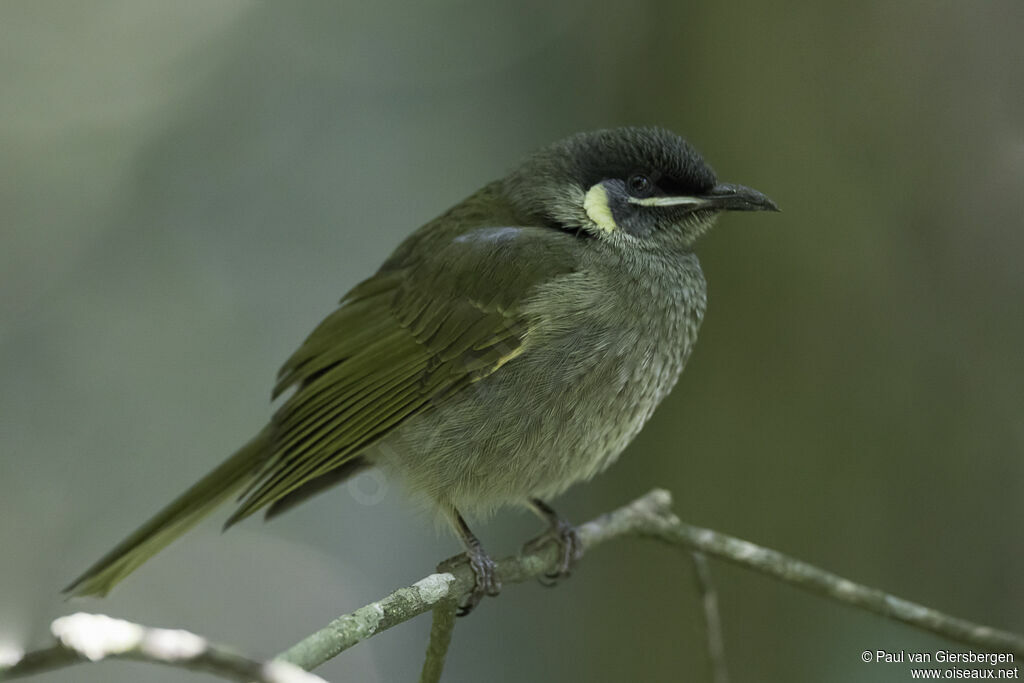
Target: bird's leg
484,569
560,531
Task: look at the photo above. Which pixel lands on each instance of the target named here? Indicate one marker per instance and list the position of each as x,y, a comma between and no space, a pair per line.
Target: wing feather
419,330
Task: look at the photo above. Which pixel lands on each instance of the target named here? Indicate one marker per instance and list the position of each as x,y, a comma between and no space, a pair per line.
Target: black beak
729,197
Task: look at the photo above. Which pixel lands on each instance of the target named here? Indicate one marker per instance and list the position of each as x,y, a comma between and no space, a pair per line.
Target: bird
506,350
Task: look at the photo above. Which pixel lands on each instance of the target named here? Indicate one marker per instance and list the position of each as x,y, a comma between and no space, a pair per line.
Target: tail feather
181,515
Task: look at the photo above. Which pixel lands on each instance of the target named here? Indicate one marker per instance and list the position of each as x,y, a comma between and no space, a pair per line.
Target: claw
484,569
562,533
487,581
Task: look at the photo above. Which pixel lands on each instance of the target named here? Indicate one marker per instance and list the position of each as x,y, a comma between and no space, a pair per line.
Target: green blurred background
188,187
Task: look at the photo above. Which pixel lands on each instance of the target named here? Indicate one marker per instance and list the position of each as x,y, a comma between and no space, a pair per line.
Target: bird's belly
540,424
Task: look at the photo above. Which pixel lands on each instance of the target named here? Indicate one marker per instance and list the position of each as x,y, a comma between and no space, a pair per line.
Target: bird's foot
563,534
484,570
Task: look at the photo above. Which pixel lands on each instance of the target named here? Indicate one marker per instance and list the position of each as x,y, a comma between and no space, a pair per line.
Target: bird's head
632,187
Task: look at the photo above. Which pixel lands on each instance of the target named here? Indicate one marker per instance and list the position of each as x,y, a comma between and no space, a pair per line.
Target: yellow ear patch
596,206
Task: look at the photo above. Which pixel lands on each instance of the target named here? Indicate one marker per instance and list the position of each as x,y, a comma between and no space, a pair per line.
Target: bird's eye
639,185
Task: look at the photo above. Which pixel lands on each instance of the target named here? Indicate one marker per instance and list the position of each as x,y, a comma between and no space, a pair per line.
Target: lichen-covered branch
85,637
649,516
353,628
422,596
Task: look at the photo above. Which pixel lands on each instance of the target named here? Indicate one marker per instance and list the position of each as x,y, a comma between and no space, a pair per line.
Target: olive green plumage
505,350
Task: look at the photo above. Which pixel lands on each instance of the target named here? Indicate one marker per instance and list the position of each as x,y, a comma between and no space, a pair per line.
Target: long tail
181,515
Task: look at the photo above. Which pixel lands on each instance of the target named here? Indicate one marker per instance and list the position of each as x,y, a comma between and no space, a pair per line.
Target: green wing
423,327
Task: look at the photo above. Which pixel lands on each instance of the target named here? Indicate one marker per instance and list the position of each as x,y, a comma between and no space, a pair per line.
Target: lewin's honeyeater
505,350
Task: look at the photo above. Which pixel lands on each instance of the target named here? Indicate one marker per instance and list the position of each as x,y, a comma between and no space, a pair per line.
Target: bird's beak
729,197
722,197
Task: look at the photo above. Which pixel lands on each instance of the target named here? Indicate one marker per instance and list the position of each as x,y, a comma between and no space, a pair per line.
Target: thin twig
805,576
86,638
712,618
440,638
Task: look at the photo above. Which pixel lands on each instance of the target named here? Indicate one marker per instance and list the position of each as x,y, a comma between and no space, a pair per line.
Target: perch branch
648,516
